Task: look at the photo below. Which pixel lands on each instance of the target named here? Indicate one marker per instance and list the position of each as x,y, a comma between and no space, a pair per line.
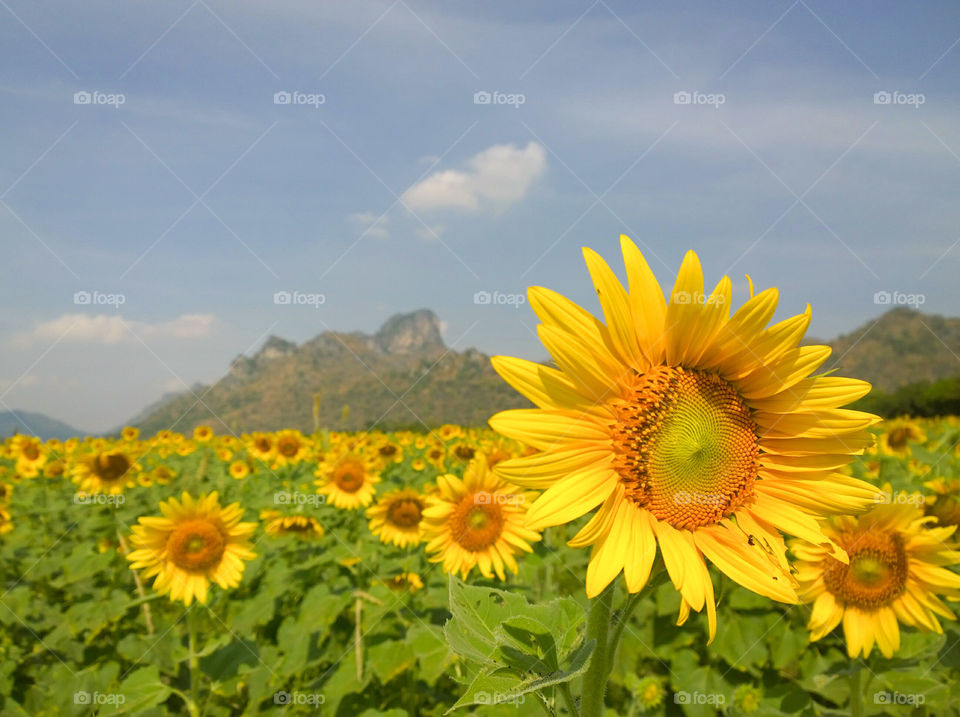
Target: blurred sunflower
239,470
349,480
418,464
291,448
194,543
389,452
162,474
302,526
436,455
691,429
29,453
895,572
54,469
108,471
396,516
944,504
261,446
130,433
449,431
463,452
203,434
477,521
409,582
6,522
898,434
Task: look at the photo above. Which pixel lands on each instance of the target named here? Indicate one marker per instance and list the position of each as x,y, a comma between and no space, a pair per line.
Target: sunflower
291,448
6,522
130,433
301,526
395,518
944,504
349,480
463,452
54,469
389,452
203,434
449,431
239,470
108,471
477,521
162,475
409,582
196,542
899,434
418,464
691,429
895,572
30,455
261,446
436,455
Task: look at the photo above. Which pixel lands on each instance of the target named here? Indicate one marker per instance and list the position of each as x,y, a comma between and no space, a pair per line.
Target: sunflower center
388,451
946,509
288,447
348,477
464,453
31,451
687,446
405,513
263,445
876,574
196,545
898,437
110,467
476,526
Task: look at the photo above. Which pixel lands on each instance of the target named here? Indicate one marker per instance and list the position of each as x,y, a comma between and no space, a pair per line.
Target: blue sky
199,197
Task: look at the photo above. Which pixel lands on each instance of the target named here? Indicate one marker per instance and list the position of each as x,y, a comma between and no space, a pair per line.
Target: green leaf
140,689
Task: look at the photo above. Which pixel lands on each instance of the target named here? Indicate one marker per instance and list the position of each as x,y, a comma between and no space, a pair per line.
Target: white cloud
113,329
498,176
376,224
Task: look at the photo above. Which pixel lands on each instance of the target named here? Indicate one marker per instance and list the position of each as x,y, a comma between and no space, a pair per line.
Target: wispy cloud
374,224
111,329
495,178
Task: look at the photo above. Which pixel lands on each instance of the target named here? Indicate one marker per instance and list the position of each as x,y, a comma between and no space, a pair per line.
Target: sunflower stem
193,661
595,678
856,698
568,699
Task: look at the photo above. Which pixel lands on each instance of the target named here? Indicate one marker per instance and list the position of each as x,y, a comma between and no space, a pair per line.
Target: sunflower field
687,523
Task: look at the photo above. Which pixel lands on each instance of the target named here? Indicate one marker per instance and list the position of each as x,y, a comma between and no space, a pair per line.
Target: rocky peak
418,331
275,347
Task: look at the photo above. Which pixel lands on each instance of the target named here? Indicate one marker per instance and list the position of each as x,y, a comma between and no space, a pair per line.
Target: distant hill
30,423
401,376
900,347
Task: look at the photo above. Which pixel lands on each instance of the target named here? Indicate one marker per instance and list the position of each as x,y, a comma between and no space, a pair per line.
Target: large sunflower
348,480
194,543
895,573
396,517
690,428
477,521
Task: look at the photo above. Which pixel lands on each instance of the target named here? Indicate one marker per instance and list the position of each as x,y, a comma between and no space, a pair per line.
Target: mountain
902,346
30,423
401,376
